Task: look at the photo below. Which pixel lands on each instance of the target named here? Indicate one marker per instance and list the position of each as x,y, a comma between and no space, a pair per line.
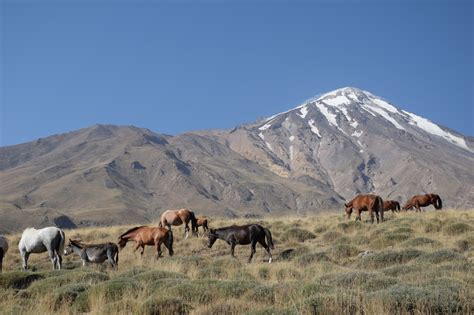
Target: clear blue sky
174,67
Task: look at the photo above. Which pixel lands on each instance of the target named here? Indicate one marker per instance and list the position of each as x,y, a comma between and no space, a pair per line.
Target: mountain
307,159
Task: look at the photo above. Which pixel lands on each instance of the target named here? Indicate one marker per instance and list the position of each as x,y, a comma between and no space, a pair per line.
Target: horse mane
131,230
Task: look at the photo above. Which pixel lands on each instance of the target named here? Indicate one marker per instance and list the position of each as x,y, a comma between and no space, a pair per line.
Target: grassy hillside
411,264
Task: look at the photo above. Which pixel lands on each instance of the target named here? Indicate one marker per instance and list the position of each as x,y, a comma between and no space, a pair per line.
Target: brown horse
423,201
178,217
371,203
391,205
202,221
151,236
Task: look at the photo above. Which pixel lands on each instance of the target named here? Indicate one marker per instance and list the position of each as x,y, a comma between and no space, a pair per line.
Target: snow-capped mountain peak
341,107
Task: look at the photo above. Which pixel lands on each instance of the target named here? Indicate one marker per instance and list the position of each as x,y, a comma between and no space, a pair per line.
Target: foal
94,253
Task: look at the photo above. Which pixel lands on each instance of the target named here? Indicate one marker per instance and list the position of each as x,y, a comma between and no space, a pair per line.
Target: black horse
243,235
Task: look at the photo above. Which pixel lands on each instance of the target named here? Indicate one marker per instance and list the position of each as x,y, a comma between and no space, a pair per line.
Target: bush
420,241
18,279
465,244
154,275
400,270
441,256
431,300
114,290
66,295
457,228
191,292
311,258
290,253
343,251
261,294
164,305
388,258
359,280
297,234
350,226
124,306
331,236
272,311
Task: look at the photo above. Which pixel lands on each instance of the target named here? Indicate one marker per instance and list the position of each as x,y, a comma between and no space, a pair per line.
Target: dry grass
411,264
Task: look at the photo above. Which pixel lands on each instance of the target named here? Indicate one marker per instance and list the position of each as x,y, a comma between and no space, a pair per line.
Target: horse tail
62,240
116,256
438,204
1,258
169,242
268,234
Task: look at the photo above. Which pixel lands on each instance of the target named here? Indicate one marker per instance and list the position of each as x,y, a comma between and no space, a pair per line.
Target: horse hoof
270,261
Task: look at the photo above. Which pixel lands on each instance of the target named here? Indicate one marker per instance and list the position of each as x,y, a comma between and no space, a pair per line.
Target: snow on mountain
342,101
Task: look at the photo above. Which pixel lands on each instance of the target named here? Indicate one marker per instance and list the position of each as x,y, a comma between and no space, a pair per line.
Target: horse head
212,237
348,209
122,242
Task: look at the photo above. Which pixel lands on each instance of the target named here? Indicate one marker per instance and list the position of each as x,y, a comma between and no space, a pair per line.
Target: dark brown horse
423,201
371,203
202,221
243,235
391,205
178,217
148,236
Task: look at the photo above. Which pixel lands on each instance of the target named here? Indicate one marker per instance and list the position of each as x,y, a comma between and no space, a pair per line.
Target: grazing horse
178,217
391,205
3,249
423,201
243,235
201,221
50,239
371,203
151,236
94,253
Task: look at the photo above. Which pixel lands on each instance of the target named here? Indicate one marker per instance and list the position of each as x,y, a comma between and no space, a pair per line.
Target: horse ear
345,205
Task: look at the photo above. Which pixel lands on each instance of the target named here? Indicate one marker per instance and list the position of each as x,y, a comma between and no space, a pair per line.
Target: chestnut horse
151,236
178,217
391,205
202,221
371,203
423,201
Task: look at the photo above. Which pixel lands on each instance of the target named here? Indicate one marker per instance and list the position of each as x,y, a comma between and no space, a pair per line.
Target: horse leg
25,256
232,248
252,251
186,230
371,212
267,248
59,260
53,258
417,206
158,249
143,250
377,216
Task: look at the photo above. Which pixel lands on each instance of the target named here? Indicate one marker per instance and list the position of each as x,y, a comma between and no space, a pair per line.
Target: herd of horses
52,239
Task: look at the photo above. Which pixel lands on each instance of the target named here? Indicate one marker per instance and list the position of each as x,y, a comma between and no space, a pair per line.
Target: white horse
3,249
49,239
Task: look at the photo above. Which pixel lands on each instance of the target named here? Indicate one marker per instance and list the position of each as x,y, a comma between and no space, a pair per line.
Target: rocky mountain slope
307,159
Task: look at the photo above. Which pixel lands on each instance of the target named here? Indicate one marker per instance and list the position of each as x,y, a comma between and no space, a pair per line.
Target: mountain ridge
306,159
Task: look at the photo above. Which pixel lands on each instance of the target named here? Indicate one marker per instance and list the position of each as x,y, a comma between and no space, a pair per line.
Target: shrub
164,305
272,311
341,251
66,295
320,229
401,299
311,258
154,275
264,273
465,244
124,306
115,289
331,236
261,294
359,280
421,241
400,270
440,256
457,228
350,226
191,292
290,253
388,258
297,234
18,279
